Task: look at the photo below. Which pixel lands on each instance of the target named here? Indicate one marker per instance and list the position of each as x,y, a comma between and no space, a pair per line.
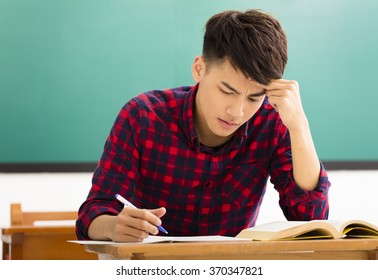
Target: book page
149,239
316,229
158,239
346,225
339,225
210,238
278,226
289,230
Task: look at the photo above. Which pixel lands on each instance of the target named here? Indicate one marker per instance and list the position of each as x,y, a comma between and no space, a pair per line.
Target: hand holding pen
141,219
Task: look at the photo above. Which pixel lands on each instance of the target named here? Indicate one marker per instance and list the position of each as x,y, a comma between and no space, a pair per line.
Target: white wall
42,192
353,195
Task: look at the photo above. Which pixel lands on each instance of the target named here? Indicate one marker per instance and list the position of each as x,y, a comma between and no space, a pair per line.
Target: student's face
225,100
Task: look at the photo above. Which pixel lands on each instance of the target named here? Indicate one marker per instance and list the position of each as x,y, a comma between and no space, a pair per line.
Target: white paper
157,239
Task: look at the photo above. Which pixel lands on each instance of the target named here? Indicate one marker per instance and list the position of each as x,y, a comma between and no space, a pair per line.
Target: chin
224,134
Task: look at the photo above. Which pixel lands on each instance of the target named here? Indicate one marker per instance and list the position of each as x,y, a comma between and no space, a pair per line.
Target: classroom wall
67,67
353,194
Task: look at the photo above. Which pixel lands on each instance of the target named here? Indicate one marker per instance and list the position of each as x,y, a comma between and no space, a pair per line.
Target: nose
236,109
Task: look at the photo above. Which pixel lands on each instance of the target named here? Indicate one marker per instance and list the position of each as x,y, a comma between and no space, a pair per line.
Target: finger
279,100
275,107
282,81
274,102
124,232
137,227
288,85
276,84
131,233
129,237
276,93
143,219
143,214
151,217
160,212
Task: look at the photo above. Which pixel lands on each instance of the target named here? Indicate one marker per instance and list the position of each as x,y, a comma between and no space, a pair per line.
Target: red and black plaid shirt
153,158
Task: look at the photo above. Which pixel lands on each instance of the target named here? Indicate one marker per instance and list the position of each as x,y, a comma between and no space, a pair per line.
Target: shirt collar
188,118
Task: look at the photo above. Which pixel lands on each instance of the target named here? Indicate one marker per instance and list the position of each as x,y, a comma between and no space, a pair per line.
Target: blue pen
127,203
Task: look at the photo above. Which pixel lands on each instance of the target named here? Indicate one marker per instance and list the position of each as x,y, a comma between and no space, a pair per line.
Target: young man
197,159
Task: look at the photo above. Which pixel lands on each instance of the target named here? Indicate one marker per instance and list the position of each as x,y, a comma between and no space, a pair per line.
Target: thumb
159,212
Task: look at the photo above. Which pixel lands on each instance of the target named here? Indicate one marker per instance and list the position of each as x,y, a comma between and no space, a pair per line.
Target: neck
205,136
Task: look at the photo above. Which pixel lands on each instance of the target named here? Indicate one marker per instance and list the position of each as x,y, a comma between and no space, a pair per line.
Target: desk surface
36,229
263,250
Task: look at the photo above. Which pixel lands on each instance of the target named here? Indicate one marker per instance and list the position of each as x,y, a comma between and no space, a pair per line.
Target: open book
293,230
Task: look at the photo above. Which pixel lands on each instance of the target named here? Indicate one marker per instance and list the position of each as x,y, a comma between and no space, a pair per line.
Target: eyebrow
227,85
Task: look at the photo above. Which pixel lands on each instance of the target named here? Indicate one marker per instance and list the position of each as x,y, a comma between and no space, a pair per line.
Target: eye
252,99
226,92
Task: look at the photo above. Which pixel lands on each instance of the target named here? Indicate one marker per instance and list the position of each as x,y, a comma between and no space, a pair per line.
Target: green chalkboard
67,67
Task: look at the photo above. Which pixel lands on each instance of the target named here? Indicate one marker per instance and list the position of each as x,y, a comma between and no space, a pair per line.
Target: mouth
228,124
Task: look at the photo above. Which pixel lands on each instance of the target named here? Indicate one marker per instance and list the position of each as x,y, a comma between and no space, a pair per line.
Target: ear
198,68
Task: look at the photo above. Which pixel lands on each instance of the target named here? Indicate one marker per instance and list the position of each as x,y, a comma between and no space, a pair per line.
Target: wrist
101,228
300,128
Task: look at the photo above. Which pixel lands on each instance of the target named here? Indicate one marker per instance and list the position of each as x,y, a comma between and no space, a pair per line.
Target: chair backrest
27,240
20,218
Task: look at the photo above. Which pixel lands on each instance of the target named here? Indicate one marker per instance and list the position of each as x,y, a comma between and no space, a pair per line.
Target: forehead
223,71
220,64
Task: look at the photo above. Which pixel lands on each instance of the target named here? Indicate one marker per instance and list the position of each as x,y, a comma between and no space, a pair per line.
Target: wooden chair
25,240
20,218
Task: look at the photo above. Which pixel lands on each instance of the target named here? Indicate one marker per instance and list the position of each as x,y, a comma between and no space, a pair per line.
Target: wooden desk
42,243
340,249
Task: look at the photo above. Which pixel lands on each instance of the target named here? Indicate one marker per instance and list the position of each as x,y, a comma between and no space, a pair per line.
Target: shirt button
208,184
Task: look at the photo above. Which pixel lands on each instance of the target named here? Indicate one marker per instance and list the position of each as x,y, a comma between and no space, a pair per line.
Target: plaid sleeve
297,204
116,172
